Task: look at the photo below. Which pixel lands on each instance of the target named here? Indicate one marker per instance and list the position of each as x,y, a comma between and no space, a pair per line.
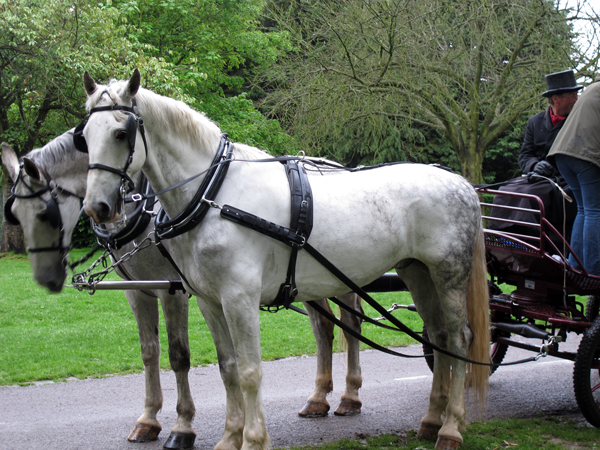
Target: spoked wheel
497,350
586,374
592,308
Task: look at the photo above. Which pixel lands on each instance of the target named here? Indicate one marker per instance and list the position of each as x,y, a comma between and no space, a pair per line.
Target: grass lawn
511,434
46,336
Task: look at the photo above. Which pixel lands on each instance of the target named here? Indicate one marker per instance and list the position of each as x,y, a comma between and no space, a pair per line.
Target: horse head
47,209
110,139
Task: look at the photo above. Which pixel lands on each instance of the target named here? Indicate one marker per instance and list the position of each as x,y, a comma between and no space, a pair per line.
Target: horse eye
121,135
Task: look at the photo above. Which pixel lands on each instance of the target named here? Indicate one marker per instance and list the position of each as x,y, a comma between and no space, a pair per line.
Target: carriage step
522,329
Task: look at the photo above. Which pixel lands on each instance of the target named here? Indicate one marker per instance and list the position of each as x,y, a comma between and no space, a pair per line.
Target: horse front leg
351,403
145,311
175,309
317,404
219,329
242,314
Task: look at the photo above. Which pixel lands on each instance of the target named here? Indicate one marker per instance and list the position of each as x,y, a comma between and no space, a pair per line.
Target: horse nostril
100,212
103,211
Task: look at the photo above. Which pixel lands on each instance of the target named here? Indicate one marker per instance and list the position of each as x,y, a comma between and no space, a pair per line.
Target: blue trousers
583,178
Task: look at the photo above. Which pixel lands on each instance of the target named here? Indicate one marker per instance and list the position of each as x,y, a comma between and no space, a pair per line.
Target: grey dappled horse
422,221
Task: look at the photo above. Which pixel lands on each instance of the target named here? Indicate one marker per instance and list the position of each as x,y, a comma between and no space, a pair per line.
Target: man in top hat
543,127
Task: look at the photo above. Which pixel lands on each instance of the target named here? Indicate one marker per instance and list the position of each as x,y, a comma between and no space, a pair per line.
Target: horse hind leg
145,311
419,282
351,403
448,330
175,309
317,404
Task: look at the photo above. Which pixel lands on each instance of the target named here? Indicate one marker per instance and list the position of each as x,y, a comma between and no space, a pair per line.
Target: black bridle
133,124
52,209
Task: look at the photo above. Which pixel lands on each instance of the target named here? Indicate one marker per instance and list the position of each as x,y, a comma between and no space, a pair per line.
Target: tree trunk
12,236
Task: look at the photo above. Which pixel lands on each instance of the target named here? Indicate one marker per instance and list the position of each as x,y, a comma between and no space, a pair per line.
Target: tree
45,46
212,45
468,69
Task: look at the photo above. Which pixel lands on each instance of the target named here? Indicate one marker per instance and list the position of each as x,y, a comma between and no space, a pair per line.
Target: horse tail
479,320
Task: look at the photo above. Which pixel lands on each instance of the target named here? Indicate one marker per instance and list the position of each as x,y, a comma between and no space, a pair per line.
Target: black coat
539,137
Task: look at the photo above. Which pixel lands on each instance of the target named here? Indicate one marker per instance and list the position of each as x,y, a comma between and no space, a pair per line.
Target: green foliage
238,117
45,46
501,158
83,236
212,46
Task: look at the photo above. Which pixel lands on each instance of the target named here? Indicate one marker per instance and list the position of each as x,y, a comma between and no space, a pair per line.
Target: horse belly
367,223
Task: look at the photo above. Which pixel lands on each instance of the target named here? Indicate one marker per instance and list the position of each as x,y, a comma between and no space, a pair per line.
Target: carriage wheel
497,350
592,308
586,374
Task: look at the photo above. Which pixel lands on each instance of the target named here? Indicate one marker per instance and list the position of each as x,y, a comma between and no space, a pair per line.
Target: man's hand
544,169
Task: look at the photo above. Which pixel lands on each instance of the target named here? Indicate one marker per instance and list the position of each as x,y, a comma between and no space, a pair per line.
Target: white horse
67,169
423,221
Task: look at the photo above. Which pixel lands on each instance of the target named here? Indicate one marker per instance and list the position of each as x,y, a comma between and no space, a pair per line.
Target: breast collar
195,211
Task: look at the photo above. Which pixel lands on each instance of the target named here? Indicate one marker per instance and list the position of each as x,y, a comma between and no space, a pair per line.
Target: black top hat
560,82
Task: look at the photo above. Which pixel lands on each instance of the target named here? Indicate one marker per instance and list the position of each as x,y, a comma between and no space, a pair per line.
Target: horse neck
181,143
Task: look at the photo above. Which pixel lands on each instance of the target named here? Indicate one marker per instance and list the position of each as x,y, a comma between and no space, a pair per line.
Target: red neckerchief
555,119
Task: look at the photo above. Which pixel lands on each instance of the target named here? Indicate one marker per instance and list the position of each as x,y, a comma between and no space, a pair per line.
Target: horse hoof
428,431
314,409
348,408
180,440
144,433
448,443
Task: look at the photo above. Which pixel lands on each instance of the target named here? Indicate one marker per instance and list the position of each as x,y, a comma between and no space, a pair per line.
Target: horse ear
89,83
31,169
134,83
10,161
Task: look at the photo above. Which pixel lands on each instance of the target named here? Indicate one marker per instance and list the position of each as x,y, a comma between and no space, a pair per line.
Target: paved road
100,413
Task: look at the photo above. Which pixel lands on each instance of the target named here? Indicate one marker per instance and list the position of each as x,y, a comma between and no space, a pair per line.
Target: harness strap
355,334
277,232
301,222
295,236
167,255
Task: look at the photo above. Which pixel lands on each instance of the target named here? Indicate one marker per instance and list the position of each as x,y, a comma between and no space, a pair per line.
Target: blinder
8,215
79,139
52,212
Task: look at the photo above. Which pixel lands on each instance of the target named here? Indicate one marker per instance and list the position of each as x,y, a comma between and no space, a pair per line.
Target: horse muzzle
102,212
